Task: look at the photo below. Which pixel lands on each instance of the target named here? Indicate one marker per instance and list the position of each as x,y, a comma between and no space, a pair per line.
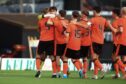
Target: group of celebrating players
80,37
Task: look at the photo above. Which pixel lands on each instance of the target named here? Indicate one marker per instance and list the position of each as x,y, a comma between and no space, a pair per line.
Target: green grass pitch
27,77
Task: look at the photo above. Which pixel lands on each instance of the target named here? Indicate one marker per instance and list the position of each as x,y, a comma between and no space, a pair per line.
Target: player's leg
40,56
121,52
50,52
95,76
60,51
75,56
97,49
77,63
78,66
54,66
85,67
64,58
65,67
124,61
84,54
58,65
97,65
38,66
116,66
121,66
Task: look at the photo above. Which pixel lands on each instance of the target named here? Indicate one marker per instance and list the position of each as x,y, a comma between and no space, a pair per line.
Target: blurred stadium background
18,23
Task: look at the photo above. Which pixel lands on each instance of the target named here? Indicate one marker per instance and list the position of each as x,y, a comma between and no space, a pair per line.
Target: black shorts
60,49
114,48
46,46
97,48
84,52
74,54
122,50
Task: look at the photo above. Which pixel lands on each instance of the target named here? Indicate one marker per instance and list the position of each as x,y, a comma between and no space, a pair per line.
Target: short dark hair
45,10
116,11
97,9
62,13
53,8
85,12
75,14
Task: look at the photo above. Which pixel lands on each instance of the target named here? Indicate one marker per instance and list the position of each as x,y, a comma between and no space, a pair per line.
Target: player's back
75,37
60,37
122,38
115,36
46,31
85,36
97,29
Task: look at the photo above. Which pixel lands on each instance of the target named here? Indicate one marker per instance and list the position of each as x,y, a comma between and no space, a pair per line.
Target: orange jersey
122,37
97,29
74,42
115,36
46,31
60,37
85,36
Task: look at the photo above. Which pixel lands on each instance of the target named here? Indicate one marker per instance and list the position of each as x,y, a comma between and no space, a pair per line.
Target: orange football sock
123,70
38,63
65,67
54,67
85,66
58,68
120,63
121,66
95,70
80,64
77,65
116,67
98,64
